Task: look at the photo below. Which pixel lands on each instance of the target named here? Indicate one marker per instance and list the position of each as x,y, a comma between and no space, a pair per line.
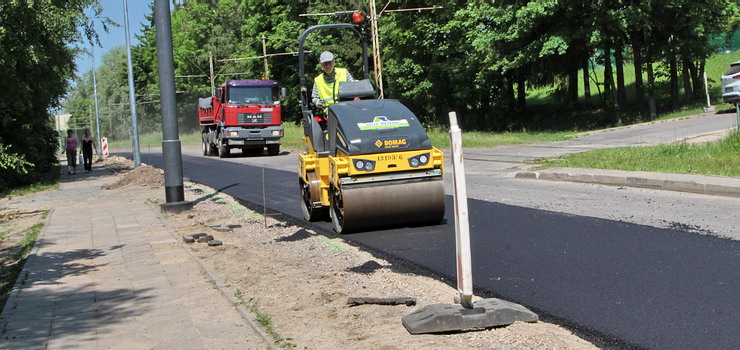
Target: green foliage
13,161
505,66
715,158
37,62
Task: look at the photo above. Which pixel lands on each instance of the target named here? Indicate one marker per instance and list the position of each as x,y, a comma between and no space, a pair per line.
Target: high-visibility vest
328,92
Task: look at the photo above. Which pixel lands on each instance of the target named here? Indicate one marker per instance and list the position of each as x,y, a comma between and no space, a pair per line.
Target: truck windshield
240,95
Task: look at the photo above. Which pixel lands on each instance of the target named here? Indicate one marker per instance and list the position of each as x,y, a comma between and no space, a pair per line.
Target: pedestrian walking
87,150
71,152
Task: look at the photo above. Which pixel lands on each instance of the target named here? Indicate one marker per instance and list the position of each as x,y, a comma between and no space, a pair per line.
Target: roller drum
390,203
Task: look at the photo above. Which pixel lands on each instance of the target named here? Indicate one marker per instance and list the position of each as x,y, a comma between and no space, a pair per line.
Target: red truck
244,114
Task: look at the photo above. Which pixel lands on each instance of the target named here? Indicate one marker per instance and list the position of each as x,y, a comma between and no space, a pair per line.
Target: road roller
367,163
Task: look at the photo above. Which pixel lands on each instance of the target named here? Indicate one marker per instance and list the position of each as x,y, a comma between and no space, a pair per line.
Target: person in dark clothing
71,149
87,150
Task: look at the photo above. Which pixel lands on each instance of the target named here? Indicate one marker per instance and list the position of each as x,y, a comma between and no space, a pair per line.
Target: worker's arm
349,77
315,97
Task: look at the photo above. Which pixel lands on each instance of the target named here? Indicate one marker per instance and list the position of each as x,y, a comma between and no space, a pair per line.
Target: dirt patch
143,175
17,229
301,280
117,164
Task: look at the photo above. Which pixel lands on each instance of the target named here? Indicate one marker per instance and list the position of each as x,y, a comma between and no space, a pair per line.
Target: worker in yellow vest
326,85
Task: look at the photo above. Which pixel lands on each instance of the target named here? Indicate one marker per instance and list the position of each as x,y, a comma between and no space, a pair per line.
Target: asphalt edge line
633,181
248,316
23,276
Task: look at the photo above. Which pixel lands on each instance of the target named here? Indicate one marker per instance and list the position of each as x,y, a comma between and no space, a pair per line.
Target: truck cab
244,114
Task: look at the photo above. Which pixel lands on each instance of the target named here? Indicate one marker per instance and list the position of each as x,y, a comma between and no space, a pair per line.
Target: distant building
61,122
61,125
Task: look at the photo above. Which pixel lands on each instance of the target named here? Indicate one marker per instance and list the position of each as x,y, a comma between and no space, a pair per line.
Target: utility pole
377,64
110,122
264,55
131,94
97,112
171,150
211,77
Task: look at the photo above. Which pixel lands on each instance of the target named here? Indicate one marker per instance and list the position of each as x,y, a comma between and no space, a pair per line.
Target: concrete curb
708,185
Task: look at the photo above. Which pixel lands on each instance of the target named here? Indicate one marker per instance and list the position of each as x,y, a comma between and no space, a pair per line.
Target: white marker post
462,228
709,107
484,313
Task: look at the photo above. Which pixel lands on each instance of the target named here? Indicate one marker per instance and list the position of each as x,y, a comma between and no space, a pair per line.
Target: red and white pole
104,147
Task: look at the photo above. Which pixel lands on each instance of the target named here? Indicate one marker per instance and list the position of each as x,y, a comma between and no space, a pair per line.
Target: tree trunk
687,90
651,87
672,64
596,82
699,81
511,101
586,85
695,88
572,93
639,93
521,96
608,76
619,62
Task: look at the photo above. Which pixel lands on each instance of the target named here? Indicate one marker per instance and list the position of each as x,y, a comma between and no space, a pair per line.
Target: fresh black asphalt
638,285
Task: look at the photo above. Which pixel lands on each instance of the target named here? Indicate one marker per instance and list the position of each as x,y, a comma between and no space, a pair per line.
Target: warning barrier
104,146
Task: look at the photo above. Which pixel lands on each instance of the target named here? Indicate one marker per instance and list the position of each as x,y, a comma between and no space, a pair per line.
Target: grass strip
721,158
10,274
47,180
263,320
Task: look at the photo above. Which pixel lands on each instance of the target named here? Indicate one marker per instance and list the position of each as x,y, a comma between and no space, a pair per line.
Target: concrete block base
176,207
485,313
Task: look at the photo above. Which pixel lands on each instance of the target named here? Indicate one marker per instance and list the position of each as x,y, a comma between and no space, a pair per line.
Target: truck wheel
204,144
273,150
223,151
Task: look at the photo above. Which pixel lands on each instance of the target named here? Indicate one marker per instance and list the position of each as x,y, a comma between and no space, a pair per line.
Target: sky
116,36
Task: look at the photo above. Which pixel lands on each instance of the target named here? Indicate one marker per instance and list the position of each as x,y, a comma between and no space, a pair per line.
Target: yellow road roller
371,164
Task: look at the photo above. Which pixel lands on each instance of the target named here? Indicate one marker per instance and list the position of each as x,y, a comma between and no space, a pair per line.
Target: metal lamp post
95,94
171,152
131,94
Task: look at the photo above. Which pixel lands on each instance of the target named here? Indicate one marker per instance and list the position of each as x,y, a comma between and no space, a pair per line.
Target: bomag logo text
394,143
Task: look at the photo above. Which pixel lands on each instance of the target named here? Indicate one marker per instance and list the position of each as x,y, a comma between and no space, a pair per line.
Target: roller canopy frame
310,127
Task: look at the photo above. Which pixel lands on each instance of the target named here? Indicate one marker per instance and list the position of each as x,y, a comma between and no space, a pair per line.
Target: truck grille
254,118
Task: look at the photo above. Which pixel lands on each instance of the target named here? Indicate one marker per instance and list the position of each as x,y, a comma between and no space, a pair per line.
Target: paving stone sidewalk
107,274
